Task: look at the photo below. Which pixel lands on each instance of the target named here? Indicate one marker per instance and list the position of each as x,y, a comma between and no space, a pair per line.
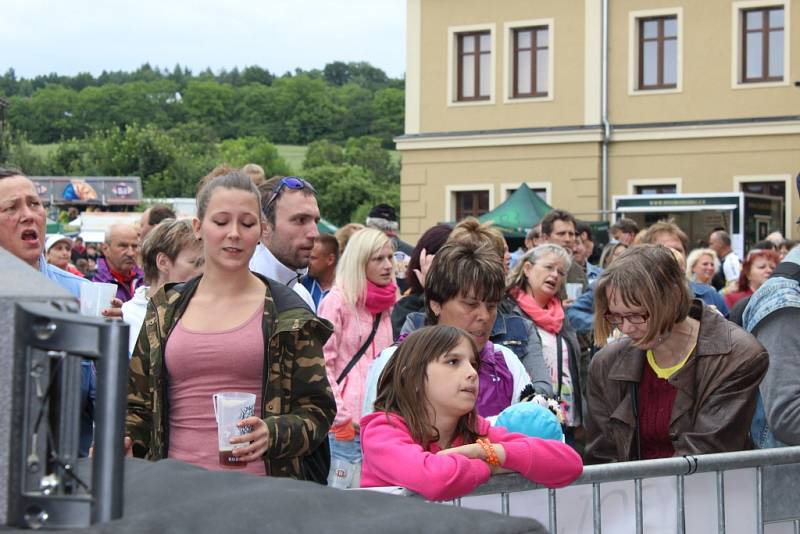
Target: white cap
53,239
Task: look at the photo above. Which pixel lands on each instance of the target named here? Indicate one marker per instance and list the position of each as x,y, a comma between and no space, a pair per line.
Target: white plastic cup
230,407
96,296
574,290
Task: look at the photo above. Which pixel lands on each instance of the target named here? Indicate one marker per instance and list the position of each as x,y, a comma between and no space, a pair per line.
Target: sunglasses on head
291,182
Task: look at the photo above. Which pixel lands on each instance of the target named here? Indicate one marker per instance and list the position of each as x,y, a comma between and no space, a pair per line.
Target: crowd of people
399,362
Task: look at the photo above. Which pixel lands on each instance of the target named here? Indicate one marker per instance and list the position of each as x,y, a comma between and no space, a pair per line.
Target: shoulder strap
559,363
787,269
636,434
362,350
285,298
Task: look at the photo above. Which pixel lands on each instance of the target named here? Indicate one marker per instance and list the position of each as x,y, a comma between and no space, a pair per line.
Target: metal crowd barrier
773,475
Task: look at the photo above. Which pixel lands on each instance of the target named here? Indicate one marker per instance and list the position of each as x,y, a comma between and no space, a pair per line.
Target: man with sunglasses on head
290,208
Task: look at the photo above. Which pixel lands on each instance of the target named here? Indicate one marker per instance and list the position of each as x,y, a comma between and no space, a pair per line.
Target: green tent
326,227
53,227
519,213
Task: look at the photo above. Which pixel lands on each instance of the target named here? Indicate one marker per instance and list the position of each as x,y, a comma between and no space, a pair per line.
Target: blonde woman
701,265
359,305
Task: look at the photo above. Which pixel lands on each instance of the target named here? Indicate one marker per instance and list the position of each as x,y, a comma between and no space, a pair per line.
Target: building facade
657,97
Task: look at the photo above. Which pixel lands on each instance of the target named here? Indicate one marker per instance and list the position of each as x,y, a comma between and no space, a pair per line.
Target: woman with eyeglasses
682,381
360,306
533,289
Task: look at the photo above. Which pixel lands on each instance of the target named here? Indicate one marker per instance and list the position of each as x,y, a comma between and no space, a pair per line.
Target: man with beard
290,207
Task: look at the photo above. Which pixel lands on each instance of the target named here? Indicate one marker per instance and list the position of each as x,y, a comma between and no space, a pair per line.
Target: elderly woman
682,381
463,288
533,289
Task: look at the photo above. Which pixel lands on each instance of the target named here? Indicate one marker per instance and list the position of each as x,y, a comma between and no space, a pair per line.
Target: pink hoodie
393,458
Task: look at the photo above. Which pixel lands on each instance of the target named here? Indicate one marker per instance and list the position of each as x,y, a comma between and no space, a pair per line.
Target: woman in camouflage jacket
297,405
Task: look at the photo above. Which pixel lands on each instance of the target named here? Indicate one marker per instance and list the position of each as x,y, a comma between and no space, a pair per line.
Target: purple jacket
103,274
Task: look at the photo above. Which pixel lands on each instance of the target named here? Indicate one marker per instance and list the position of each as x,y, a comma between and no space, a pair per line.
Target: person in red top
683,380
756,269
425,434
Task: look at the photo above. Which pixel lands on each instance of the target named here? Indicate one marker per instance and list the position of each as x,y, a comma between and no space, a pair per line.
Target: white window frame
450,195
452,64
787,201
633,50
506,187
736,43
508,64
634,182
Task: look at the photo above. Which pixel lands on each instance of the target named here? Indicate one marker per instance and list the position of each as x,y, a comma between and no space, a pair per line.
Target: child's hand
473,450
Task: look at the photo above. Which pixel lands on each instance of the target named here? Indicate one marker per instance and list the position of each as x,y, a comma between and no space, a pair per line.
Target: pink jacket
351,328
393,458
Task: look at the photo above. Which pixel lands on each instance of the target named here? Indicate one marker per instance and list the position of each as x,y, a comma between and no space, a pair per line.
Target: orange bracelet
491,456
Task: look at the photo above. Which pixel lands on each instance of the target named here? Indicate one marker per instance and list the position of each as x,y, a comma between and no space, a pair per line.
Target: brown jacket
716,397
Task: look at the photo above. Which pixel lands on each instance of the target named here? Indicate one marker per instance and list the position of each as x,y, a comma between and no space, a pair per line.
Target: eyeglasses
617,320
292,182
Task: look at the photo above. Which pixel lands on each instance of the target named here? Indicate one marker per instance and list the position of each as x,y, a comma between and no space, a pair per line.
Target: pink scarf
550,318
380,298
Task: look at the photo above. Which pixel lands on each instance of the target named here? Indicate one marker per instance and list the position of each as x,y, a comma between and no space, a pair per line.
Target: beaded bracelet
491,455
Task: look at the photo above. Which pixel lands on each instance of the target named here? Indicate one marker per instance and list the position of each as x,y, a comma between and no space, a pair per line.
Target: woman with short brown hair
682,381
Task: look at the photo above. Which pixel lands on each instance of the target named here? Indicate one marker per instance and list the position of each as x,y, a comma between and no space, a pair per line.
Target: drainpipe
604,115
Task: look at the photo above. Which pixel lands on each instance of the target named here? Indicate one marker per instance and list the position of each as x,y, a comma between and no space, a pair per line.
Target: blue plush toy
531,419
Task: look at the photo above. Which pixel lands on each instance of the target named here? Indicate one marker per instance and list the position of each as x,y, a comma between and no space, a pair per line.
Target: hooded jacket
297,403
716,396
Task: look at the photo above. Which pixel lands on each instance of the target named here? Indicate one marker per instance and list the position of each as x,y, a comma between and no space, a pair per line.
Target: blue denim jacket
776,293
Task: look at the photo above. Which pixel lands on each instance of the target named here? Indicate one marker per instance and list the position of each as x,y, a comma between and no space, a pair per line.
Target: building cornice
739,127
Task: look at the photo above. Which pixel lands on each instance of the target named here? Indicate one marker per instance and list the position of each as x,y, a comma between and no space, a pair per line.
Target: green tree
388,115
239,152
366,152
211,103
323,152
304,111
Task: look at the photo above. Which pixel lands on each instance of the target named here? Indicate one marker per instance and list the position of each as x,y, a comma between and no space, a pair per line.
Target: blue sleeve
581,313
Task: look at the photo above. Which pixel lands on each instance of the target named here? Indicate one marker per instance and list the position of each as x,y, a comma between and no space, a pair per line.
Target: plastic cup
230,407
96,296
574,290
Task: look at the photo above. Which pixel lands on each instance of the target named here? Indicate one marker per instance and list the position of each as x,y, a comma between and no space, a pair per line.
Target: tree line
340,101
172,127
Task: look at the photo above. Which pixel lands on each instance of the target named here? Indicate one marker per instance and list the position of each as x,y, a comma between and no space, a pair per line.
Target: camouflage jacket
297,403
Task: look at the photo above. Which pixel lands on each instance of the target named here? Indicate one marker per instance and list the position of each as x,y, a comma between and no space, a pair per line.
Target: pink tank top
200,364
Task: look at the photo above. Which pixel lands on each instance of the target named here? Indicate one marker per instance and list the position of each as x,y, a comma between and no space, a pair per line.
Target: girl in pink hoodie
426,436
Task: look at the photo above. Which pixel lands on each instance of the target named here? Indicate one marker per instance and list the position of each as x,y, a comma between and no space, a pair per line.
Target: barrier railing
617,500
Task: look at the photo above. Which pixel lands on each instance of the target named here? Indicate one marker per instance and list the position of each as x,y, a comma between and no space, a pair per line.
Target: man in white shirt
290,207
730,265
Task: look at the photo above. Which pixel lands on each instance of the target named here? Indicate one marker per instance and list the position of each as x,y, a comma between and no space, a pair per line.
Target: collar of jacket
713,338
265,263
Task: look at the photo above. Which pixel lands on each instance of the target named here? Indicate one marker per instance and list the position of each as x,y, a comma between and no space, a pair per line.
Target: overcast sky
71,36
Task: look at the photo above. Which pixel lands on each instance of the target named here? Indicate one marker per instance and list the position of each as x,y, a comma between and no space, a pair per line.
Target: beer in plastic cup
230,407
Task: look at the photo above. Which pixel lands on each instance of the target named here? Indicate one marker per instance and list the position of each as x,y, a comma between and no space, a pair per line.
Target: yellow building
587,101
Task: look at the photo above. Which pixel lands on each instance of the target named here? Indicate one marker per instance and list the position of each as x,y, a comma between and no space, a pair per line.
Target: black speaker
43,341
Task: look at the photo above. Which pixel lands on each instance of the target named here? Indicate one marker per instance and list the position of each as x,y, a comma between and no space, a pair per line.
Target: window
474,59
665,189
658,52
531,61
762,44
471,203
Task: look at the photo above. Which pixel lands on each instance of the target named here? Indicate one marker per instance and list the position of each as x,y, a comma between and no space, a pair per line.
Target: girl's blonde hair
351,271
517,278
402,383
647,277
695,255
